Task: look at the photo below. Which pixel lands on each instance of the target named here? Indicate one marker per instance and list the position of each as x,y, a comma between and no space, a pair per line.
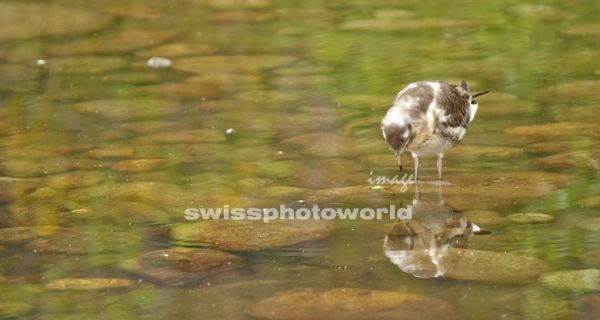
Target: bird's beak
475,95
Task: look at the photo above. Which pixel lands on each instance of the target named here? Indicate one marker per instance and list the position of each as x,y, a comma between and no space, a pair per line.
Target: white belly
432,147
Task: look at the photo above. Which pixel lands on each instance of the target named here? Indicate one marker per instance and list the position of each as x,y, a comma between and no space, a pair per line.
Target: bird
427,118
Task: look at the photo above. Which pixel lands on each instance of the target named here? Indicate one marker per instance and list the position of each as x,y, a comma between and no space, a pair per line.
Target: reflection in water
417,245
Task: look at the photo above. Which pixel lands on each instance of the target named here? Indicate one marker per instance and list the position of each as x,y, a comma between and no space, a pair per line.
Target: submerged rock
127,109
331,145
593,202
475,151
183,136
12,189
85,65
17,235
179,266
112,152
142,165
74,179
590,224
14,310
351,303
585,91
389,24
575,159
247,235
47,20
484,217
181,91
89,284
175,49
589,30
555,130
530,217
582,281
122,41
477,265
231,64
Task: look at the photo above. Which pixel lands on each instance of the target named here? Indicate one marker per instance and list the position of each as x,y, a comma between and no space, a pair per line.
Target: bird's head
465,87
473,106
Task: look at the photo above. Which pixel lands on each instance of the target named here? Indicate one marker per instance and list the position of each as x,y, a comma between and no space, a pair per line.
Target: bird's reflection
417,245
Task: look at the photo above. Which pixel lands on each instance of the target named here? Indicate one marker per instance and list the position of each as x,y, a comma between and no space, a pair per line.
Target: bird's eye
473,102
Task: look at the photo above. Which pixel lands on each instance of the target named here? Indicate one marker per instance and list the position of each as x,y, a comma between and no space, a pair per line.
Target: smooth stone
12,189
133,78
180,266
567,113
331,145
557,130
88,239
31,168
394,14
47,20
476,151
112,152
330,173
576,159
153,126
89,284
225,81
182,91
17,235
353,194
584,91
284,193
591,202
244,16
490,267
84,65
74,179
351,303
132,10
590,30
141,165
530,217
484,217
176,49
119,42
590,225
546,147
120,211
159,194
302,82
541,12
19,73
237,4
182,136
275,169
493,191
580,281
127,109
247,235
231,64
267,97
14,310
304,70
403,25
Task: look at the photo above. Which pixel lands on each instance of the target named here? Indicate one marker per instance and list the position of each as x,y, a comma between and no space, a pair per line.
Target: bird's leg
399,159
440,161
416,158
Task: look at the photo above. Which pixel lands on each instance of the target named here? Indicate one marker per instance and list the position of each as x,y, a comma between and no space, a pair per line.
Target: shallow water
278,102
